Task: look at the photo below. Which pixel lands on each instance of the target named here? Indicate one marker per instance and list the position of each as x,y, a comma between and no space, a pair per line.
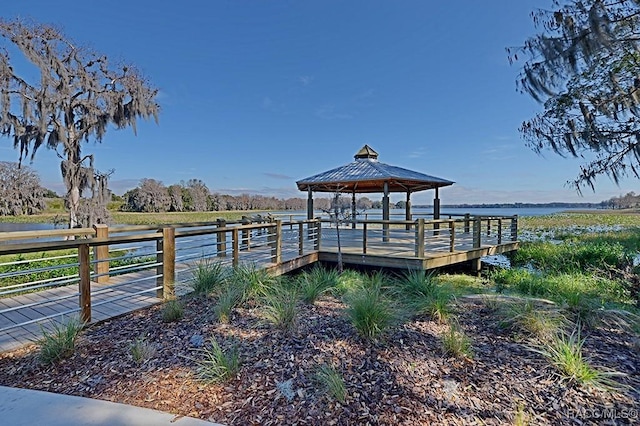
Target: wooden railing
420,236
168,253
226,241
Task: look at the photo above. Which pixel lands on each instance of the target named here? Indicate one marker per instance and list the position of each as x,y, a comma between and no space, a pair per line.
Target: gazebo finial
366,152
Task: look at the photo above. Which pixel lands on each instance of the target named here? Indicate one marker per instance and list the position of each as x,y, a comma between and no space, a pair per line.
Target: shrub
60,342
370,312
207,276
331,382
172,311
217,365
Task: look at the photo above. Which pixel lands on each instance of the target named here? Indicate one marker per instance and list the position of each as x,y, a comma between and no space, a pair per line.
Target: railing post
499,231
318,227
300,238
476,232
364,238
276,245
420,238
466,223
166,256
246,236
514,228
101,255
488,227
221,238
236,245
84,271
452,235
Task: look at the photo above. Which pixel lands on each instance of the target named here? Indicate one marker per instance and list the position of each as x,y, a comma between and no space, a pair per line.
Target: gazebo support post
353,209
385,213
436,212
407,210
310,213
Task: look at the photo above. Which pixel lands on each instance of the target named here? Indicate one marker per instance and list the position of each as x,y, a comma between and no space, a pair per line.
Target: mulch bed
403,379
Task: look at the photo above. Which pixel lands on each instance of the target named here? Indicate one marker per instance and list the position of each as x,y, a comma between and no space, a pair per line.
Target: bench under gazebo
367,175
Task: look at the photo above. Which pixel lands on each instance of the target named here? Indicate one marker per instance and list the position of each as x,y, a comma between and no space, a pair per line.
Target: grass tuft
172,311
60,342
456,343
348,281
544,324
141,350
565,354
230,297
370,311
207,276
316,282
279,307
216,364
256,282
331,381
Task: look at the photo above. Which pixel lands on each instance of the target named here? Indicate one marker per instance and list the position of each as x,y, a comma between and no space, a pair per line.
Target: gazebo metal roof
367,175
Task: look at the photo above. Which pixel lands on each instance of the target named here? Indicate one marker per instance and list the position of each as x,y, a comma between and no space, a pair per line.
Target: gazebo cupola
367,175
366,152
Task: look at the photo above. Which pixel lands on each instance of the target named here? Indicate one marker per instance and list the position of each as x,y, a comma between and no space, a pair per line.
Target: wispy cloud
269,104
365,98
328,112
418,153
277,176
306,80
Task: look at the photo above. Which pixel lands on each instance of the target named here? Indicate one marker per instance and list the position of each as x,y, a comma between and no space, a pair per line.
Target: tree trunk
74,205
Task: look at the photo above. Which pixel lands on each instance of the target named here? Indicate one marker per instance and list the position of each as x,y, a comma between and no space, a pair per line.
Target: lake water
371,214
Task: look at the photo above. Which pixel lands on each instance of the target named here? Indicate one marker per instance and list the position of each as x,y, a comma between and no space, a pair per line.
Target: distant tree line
193,195
628,201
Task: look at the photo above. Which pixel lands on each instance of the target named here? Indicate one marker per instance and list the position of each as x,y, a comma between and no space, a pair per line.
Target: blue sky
258,94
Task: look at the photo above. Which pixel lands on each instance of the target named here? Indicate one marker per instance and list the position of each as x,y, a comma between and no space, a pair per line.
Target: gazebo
367,175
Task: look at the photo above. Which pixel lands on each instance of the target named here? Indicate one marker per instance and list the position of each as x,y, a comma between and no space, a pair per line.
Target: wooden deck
23,317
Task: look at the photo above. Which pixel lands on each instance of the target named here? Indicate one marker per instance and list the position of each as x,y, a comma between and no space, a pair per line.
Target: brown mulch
402,379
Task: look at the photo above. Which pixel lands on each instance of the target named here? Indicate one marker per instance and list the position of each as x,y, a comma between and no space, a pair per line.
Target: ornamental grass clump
141,350
565,354
456,343
59,342
172,311
229,298
370,311
331,382
255,281
531,320
421,293
207,277
316,282
279,305
216,364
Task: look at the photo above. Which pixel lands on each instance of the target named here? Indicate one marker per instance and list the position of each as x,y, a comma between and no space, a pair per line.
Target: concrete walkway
26,407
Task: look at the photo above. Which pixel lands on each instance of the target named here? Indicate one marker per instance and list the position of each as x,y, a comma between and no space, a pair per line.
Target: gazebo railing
418,238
